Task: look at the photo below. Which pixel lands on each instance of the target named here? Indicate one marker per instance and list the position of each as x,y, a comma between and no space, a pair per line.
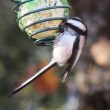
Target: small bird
67,48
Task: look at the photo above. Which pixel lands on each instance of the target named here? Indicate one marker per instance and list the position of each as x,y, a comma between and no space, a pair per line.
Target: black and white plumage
67,49
73,41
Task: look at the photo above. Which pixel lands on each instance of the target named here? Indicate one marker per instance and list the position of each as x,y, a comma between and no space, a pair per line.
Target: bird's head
76,24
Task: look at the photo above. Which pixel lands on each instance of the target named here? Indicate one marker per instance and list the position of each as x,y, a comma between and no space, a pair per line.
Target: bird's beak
63,24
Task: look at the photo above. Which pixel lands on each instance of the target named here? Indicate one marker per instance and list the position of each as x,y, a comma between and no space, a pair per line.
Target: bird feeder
41,19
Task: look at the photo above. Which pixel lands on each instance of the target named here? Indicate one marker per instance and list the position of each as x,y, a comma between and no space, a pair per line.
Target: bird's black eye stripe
76,19
76,29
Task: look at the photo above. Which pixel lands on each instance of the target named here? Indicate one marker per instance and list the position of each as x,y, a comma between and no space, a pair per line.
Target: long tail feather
37,75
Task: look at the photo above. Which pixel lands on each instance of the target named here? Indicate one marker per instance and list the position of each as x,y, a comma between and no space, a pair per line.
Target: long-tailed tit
67,49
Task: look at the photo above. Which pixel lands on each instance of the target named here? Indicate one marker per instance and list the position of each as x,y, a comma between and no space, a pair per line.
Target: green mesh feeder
41,19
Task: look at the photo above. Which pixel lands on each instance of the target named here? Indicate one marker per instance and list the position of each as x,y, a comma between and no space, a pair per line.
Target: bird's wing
77,50
72,61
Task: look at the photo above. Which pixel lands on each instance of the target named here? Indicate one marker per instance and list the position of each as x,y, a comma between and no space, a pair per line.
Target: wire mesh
47,40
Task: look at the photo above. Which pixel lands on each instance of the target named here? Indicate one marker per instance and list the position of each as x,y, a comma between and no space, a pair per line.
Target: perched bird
67,49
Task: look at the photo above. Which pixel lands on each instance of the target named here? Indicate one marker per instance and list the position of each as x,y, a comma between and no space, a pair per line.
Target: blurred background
88,85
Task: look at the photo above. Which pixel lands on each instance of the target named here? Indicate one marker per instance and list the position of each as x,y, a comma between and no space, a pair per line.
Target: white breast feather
63,48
